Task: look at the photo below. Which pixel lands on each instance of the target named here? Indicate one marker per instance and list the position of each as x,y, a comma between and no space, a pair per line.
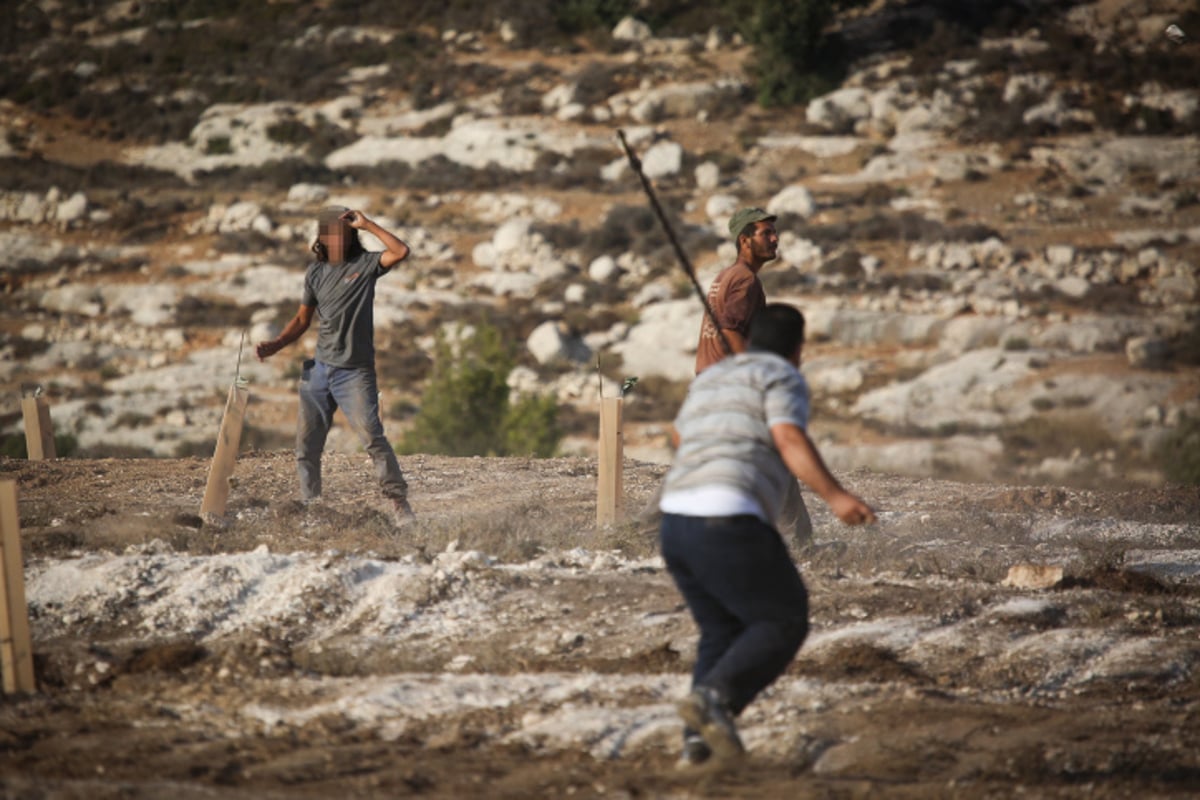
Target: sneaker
402,513
695,750
704,711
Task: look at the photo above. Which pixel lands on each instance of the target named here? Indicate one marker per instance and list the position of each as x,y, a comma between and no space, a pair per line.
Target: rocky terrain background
990,217
992,223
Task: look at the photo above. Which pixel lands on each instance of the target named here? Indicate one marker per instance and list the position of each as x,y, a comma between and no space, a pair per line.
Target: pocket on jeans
306,370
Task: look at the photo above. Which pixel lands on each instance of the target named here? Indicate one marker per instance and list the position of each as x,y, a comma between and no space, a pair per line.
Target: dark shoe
704,711
695,750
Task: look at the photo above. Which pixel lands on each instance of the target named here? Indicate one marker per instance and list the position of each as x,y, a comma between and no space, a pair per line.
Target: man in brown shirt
736,294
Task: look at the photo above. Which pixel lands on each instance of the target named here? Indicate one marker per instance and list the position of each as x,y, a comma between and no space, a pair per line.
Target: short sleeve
374,265
310,292
786,397
737,305
741,301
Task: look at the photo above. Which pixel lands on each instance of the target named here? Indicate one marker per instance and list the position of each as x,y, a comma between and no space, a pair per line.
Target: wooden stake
610,502
39,433
216,494
16,649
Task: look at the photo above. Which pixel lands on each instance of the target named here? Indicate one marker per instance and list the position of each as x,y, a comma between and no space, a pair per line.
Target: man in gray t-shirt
742,442
339,288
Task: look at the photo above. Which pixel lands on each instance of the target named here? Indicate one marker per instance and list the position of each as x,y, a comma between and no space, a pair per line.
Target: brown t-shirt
735,296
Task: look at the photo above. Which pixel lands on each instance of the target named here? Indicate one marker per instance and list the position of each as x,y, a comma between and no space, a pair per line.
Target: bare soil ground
505,647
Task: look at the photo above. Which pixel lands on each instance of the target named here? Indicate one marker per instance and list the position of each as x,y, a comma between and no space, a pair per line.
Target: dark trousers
746,596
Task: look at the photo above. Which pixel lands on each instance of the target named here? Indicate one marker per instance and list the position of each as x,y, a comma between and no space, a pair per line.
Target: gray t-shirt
344,296
725,425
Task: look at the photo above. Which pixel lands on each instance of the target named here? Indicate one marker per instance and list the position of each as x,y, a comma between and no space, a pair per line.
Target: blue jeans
747,598
323,390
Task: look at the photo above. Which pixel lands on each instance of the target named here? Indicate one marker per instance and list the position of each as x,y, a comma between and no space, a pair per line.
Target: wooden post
39,433
216,494
16,649
610,502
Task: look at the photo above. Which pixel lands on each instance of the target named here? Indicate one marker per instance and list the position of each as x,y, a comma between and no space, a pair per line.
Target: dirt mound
504,646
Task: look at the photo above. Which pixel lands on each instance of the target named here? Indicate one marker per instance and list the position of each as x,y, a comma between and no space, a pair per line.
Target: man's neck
750,264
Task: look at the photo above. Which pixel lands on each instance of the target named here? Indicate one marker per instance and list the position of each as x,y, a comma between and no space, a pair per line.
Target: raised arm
291,332
395,250
805,462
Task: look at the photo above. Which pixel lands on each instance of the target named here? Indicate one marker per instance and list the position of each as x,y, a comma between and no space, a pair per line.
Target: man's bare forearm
805,462
290,333
392,243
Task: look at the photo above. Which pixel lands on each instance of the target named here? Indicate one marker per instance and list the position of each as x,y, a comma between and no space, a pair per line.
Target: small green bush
289,131
531,427
218,146
1179,454
581,16
792,62
1016,344
465,408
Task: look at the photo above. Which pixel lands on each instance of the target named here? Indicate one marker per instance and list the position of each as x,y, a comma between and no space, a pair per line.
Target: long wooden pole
16,648
636,164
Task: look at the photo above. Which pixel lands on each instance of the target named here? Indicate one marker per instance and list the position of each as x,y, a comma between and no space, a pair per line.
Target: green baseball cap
744,216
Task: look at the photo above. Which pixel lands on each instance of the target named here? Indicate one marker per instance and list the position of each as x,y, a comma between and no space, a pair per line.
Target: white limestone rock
663,342
976,391
631,29
603,269
840,110
663,159
552,341
794,199
708,176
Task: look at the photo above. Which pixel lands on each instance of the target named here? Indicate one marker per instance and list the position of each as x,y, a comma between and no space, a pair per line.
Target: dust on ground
506,647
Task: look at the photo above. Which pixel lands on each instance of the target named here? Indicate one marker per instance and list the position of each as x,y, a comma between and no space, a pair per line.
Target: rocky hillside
992,221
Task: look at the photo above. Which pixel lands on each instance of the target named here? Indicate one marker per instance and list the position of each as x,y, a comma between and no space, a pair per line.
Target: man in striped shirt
741,441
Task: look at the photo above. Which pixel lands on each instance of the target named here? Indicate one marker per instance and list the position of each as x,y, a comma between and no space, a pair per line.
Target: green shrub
531,427
218,146
1179,454
289,131
791,59
465,408
1016,343
581,16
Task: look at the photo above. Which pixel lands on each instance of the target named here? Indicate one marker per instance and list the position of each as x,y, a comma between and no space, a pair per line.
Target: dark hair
778,328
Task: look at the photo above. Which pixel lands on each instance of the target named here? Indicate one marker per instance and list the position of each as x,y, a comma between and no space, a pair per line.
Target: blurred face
334,235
